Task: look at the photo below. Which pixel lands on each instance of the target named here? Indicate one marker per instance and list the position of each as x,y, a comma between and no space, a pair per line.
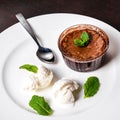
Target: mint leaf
39,104
31,68
84,36
83,40
91,87
79,42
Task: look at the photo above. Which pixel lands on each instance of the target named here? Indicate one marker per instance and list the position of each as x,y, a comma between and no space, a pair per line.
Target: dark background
106,10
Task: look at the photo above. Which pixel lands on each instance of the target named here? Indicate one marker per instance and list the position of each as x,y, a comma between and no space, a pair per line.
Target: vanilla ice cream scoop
41,79
63,90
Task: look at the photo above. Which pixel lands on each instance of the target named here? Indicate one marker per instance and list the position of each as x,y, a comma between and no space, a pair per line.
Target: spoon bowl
44,54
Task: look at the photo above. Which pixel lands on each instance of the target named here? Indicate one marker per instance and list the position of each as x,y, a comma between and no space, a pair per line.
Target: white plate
18,48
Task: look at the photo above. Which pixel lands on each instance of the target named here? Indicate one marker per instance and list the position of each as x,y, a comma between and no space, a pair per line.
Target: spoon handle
27,26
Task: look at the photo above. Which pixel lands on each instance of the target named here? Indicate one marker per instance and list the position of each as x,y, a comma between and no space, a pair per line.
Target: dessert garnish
83,40
91,86
31,68
39,104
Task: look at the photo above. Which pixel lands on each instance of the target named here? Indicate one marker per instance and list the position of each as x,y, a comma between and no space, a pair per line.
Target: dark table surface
106,10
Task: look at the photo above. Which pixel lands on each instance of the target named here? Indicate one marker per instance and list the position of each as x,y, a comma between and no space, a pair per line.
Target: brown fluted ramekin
85,58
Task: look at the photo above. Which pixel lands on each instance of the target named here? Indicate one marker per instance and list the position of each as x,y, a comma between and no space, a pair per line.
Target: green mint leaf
84,36
83,40
91,87
31,68
79,42
39,104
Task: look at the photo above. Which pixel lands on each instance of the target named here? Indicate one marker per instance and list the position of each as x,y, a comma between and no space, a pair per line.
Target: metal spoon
44,54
